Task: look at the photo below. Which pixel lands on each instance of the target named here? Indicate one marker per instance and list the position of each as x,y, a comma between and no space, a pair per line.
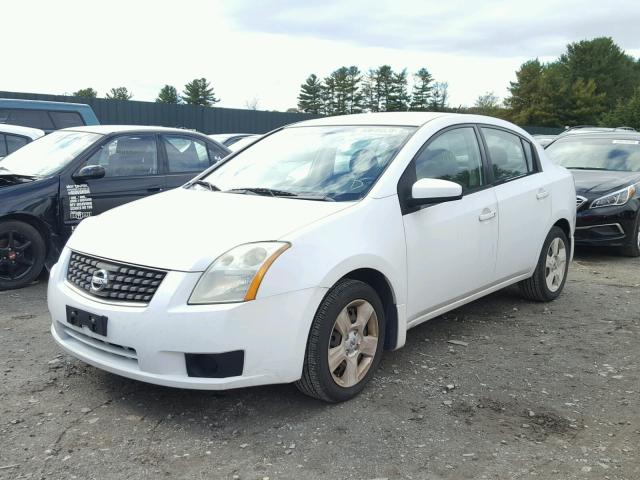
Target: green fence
204,119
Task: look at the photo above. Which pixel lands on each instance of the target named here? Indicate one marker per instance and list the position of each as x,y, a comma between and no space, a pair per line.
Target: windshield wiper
205,184
279,193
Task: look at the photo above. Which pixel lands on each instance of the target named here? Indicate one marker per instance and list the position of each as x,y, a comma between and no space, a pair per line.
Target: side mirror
433,190
89,172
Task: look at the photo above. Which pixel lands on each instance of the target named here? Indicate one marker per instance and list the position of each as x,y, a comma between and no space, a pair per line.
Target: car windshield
596,154
49,154
339,163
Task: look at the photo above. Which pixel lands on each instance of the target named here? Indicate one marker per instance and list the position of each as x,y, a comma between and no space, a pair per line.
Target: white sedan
308,253
14,137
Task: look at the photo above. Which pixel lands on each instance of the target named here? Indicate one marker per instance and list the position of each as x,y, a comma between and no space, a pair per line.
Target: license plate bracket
80,318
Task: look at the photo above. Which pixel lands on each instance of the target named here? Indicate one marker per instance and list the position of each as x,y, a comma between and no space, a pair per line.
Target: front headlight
616,198
235,276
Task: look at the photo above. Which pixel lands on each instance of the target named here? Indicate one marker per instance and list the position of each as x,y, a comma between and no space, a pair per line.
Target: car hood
186,229
595,183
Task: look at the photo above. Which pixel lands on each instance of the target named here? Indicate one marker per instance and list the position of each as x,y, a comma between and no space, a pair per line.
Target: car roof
32,133
109,129
411,119
40,104
621,134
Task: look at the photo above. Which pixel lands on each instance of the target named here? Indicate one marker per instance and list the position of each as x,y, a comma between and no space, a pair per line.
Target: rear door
186,156
132,169
524,202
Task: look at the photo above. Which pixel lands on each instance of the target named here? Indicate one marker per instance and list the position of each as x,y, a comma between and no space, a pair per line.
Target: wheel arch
565,226
381,284
35,222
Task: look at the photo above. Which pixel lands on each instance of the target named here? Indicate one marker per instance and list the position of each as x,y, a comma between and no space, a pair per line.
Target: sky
260,51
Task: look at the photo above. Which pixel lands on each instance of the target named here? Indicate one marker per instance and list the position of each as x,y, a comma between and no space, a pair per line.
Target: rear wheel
22,254
633,249
550,274
345,343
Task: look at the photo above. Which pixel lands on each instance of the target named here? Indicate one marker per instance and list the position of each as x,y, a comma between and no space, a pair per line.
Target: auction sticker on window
80,203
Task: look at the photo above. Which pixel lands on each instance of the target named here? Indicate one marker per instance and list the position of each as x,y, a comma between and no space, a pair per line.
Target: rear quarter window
66,119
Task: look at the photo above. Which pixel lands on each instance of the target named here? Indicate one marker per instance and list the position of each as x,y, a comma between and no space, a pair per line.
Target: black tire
535,288
22,254
317,380
633,249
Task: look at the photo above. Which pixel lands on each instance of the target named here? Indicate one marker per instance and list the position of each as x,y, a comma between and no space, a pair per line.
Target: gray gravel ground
540,391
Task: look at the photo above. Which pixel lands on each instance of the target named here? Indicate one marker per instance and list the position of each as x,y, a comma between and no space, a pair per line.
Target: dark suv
50,185
606,166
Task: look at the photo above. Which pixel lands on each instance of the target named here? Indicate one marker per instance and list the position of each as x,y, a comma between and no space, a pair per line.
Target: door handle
154,189
487,215
542,194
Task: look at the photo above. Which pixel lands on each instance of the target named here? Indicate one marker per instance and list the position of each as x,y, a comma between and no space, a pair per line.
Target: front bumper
150,343
606,226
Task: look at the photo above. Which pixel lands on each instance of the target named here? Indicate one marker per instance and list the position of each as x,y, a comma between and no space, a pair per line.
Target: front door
451,246
132,172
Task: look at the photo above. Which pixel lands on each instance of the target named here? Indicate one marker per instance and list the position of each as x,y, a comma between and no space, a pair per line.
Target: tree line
593,82
348,90
197,92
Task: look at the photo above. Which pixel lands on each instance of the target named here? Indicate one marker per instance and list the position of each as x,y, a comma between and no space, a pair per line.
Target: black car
50,185
606,168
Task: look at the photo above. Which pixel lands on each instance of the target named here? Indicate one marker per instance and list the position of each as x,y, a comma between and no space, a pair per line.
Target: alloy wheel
353,343
555,266
16,256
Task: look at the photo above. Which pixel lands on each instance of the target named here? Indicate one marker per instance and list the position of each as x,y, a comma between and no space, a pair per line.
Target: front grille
127,283
580,201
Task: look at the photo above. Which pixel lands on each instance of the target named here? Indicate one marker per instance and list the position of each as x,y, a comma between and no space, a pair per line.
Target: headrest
132,145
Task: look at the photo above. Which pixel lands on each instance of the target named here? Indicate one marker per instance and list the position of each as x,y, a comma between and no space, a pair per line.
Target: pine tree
199,92
422,88
310,96
385,87
168,94
398,100
354,95
340,81
86,93
119,93
370,94
329,106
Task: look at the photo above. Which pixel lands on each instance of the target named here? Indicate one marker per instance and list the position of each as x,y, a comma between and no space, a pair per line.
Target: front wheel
550,274
22,254
345,343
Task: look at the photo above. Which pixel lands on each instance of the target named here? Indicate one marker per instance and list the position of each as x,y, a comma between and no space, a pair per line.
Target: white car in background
14,137
228,139
243,142
310,252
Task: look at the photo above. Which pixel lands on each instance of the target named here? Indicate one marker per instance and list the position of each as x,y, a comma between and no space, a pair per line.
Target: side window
30,118
3,146
14,142
185,154
216,154
127,156
453,156
507,154
66,119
